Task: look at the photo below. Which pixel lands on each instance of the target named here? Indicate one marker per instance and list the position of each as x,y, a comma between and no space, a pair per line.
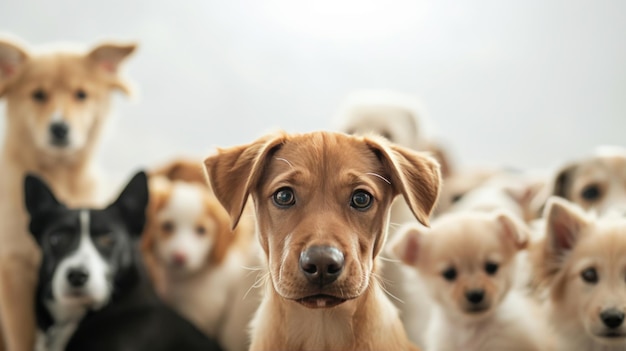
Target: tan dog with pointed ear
56,104
322,204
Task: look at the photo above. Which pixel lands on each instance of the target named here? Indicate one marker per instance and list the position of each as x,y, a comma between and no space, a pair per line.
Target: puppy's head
58,99
467,259
582,264
187,227
86,252
597,182
322,205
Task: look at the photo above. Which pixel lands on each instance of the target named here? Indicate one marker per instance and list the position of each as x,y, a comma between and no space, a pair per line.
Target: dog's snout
77,277
59,131
612,318
322,264
475,296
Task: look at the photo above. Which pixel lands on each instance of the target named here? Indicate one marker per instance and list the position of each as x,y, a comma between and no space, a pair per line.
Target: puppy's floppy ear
108,57
408,243
132,203
564,223
38,196
12,59
414,175
233,172
513,229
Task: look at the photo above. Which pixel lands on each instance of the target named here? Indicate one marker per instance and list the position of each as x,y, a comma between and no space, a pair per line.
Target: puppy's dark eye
104,241
80,94
39,95
449,274
591,192
590,275
59,240
491,268
167,227
284,197
361,200
200,230
456,198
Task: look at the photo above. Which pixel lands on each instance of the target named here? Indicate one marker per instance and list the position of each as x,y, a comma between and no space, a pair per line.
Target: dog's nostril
475,296
59,130
322,264
612,318
77,277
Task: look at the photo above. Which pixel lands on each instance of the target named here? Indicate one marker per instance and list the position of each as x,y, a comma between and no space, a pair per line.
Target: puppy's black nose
59,131
612,318
77,277
321,264
475,296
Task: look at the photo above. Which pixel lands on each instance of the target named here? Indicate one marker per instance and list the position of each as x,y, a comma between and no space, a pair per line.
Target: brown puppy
322,204
57,103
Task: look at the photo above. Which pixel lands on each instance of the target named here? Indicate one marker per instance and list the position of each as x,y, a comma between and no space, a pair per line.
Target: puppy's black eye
361,200
456,198
491,268
59,240
449,274
590,275
105,241
80,94
39,95
200,230
591,192
167,227
284,197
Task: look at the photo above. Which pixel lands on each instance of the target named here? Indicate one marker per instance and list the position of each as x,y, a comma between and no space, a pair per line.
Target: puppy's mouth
476,310
320,301
612,335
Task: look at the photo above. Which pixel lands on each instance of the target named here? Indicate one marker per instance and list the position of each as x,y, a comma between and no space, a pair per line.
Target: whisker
379,176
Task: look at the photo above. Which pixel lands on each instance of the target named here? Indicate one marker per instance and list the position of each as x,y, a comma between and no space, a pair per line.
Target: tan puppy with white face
581,265
322,205
597,182
56,103
468,263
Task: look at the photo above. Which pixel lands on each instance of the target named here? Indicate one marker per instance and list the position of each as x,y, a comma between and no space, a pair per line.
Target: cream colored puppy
581,266
468,263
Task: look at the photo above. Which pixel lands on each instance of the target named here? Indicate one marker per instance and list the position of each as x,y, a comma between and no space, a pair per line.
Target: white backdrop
524,83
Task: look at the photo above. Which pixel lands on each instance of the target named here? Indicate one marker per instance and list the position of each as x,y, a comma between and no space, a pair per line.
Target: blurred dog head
322,205
87,253
57,100
467,259
597,182
581,264
187,228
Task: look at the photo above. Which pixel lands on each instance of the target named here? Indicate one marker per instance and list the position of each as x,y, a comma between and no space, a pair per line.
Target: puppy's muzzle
321,265
59,133
612,318
77,277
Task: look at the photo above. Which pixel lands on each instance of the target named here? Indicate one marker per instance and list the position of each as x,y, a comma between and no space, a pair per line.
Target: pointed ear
513,229
564,223
414,175
407,243
12,59
108,57
38,196
233,172
132,203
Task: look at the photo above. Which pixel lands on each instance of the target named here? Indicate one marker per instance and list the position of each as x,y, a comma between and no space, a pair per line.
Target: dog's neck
369,322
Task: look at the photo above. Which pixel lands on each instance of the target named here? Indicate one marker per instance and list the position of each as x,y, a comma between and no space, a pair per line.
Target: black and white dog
92,294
